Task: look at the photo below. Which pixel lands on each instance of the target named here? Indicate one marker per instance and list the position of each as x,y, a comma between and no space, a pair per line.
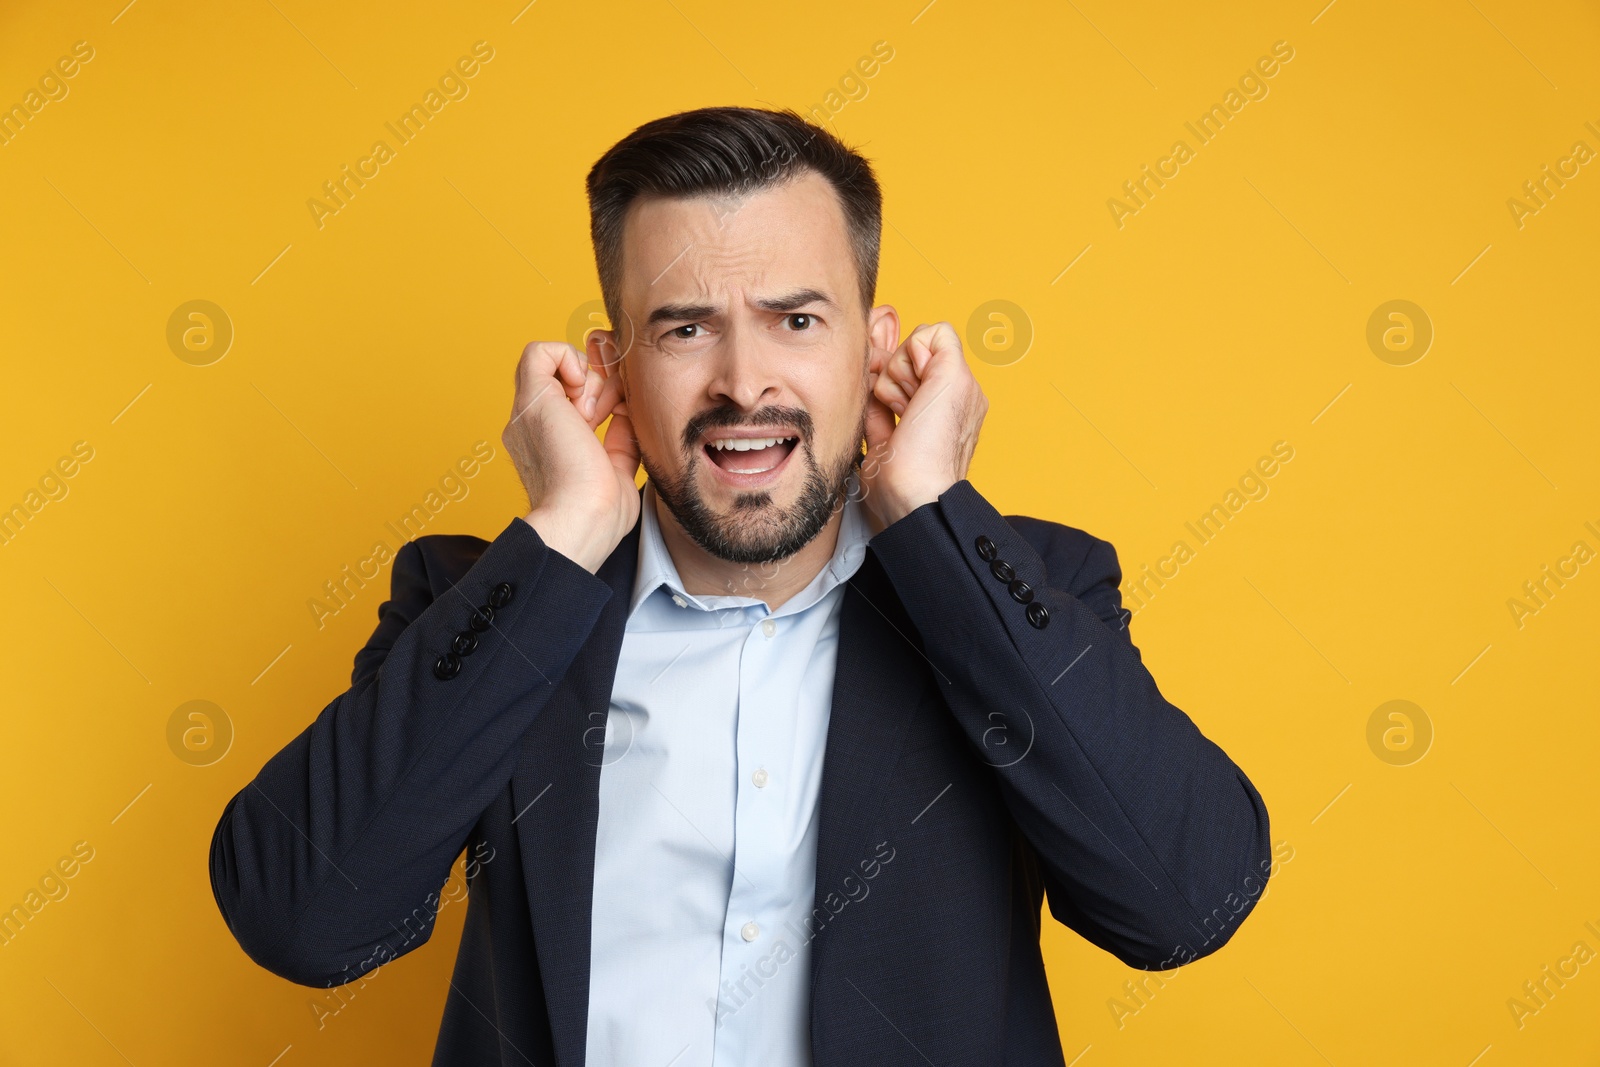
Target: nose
745,375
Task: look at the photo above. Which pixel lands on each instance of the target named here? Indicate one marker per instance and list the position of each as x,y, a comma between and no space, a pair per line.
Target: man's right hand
581,493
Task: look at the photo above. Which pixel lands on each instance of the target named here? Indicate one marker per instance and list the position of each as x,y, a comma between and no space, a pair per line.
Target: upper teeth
746,444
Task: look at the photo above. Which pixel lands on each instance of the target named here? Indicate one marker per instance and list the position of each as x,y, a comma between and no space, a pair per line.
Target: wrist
577,540
892,507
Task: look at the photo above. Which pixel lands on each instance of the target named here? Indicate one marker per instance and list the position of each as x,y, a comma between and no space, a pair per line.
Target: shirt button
769,627
678,600
759,778
749,931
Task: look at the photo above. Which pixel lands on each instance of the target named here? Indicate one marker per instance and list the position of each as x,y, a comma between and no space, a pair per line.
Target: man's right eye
680,335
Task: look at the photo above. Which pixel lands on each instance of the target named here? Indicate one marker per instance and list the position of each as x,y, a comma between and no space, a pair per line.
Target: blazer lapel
879,681
555,794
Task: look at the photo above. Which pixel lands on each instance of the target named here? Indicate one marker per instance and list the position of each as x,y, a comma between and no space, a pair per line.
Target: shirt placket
751,922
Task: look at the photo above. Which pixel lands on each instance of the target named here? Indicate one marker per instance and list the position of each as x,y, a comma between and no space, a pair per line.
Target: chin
781,513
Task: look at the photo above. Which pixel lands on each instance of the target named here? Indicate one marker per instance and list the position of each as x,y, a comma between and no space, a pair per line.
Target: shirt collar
656,569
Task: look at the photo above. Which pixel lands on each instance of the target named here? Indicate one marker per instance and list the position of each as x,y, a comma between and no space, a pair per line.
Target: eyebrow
791,301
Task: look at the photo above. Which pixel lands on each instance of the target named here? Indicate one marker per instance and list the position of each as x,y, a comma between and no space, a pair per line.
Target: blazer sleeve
352,828
1152,843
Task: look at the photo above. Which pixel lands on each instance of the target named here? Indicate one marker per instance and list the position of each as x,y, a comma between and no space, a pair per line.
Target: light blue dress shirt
705,854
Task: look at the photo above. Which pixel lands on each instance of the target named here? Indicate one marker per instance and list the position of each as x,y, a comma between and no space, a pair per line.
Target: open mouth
749,455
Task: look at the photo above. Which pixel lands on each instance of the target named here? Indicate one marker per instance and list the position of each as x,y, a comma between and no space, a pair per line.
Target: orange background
1167,355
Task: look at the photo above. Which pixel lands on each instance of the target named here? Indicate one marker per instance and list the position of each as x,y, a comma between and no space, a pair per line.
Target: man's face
744,360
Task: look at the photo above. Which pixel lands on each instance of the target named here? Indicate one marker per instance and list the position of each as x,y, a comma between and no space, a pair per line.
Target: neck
773,583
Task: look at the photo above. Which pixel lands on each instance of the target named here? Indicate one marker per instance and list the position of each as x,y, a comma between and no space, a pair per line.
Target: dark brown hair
727,152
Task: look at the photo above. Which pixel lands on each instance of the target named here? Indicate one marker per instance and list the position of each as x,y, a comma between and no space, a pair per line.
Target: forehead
782,238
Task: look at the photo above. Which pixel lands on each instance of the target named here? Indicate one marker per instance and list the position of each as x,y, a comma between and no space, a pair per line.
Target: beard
757,530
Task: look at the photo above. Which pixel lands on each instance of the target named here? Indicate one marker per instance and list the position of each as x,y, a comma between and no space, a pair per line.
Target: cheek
838,384
661,437
837,418
660,410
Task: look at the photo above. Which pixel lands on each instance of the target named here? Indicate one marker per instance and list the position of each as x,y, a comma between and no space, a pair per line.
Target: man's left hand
928,384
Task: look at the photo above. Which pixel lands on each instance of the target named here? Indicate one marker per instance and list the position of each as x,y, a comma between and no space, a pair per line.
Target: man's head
738,257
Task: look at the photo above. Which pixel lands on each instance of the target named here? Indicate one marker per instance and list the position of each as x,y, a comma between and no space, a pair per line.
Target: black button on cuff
481,618
465,644
1038,614
447,666
1020,591
1002,570
986,549
500,595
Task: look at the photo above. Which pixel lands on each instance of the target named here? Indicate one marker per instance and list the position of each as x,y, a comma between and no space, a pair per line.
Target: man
776,760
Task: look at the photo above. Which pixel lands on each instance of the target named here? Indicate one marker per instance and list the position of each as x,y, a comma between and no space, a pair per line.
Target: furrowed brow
795,300
680,313
785,302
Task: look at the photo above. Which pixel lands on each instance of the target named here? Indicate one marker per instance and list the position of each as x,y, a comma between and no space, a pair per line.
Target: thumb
620,444
880,427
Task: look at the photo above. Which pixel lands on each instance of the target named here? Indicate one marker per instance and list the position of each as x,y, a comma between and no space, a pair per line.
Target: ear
883,327
600,346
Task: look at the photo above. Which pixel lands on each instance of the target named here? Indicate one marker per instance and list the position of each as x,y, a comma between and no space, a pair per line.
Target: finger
538,373
880,427
622,448
878,358
887,391
552,359
919,351
913,350
607,396
902,372
580,393
939,346
593,380
570,365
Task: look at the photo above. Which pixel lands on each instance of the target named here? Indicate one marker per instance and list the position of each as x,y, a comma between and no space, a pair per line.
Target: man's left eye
801,321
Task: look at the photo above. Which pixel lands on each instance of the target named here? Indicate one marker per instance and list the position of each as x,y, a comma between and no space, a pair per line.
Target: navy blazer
995,741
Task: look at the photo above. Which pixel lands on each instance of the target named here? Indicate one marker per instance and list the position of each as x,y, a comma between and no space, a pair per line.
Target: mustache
728,417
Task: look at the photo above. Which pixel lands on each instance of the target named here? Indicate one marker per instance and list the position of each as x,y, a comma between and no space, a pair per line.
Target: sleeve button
986,549
447,666
1039,615
1020,591
500,595
1002,570
465,644
481,618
